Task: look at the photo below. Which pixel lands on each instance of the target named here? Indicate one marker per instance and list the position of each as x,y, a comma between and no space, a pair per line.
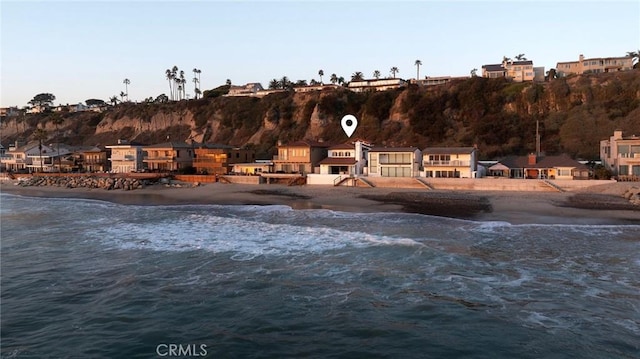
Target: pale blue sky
84,49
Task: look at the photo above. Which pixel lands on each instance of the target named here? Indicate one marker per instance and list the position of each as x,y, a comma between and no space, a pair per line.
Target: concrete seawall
485,184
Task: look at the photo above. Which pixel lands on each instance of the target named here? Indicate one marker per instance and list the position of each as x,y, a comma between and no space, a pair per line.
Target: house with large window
621,155
300,157
540,167
594,65
126,156
220,159
450,162
517,71
168,156
49,159
376,85
394,162
16,158
250,89
90,159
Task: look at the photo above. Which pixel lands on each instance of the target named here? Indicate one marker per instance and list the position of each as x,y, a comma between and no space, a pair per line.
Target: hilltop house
250,89
300,157
541,167
126,157
437,80
594,65
517,71
167,156
220,159
450,162
394,162
376,85
621,155
318,87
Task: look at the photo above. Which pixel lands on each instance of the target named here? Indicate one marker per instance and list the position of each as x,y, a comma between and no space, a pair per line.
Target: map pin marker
349,124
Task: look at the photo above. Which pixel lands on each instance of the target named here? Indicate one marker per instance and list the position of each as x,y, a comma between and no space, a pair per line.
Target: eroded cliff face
500,117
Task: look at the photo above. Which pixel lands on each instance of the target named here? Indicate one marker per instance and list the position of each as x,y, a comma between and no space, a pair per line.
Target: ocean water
91,279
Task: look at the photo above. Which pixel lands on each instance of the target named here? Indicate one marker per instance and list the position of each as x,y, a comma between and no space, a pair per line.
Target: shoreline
593,206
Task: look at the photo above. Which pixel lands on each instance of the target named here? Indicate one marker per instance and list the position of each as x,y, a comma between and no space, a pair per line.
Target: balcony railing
454,163
123,158
159,158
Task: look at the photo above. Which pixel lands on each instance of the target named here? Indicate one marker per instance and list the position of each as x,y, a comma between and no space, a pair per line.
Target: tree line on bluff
500,117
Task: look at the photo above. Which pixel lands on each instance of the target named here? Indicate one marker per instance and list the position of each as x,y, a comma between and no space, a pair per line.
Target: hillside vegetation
574,114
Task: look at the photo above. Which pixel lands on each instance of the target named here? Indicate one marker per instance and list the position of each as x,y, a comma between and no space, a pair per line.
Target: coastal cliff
574,114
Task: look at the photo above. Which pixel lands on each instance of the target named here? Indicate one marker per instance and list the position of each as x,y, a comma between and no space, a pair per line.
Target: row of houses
320,162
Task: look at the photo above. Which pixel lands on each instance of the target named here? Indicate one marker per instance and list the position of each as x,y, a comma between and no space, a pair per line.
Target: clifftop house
594,65
518,71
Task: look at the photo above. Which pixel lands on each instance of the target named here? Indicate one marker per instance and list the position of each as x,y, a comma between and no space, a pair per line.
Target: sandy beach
595,205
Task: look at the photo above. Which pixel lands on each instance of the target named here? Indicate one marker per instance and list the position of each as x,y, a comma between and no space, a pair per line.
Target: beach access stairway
350,180
552,185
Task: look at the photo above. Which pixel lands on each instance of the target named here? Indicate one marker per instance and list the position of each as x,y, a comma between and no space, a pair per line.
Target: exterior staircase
223,179
552,185
424,183
297,181
366,182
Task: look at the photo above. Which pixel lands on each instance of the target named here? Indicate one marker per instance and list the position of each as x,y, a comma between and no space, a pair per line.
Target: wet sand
598,206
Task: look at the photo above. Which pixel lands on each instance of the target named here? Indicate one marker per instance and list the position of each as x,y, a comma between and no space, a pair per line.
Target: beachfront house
90,159
540,167
126,156
253,168
394,162
450,162
300,157
16,158
621,155
49,159
344,161
168,156
213,158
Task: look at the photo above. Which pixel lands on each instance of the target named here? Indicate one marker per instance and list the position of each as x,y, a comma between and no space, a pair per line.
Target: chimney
581,57
532,159
617,135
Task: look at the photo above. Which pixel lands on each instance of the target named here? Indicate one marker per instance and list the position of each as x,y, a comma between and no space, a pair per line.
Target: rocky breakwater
633,195
106,183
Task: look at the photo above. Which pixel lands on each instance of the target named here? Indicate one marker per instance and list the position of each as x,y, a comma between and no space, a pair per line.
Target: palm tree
114,100
195,86
376,74
274,84
474,72
174,76
320,73
182,84
57,121
126,83
285,83
170,79
357,76
341,80
334,79
418,63
122,95
520,57
228,82
198,92
635,55
41,135
394,70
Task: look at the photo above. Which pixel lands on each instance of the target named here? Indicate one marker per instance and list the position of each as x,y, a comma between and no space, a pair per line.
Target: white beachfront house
450,162
347,160
394,162
126,157
17,157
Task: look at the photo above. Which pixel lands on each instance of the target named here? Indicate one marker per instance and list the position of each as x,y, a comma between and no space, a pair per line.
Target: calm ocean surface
90,279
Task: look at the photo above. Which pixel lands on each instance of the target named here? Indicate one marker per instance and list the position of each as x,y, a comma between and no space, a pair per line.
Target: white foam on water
246,236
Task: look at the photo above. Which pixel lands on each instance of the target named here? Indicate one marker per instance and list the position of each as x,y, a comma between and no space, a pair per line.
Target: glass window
623,170
623,149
